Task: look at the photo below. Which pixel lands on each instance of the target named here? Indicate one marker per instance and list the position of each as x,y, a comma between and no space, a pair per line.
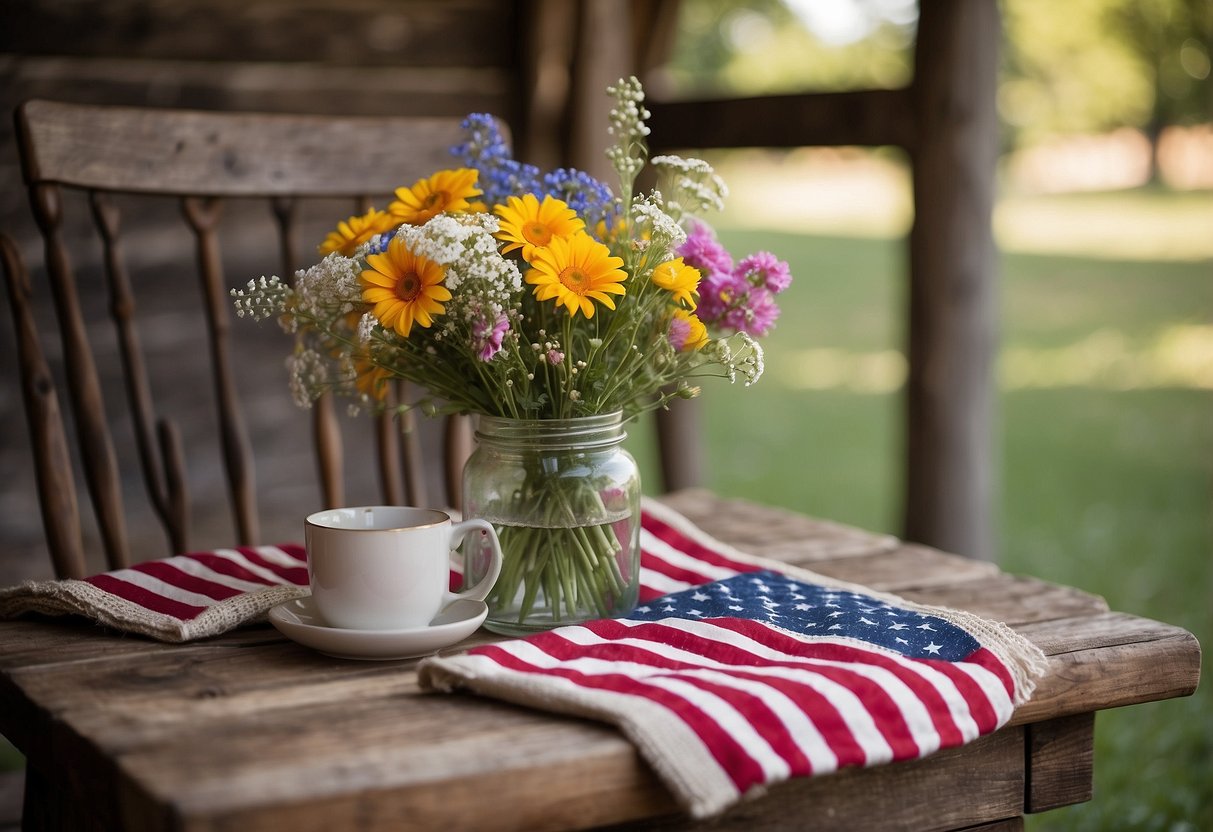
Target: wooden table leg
1060,762
49,808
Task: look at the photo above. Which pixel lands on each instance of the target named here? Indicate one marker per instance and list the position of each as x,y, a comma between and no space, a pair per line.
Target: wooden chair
208,162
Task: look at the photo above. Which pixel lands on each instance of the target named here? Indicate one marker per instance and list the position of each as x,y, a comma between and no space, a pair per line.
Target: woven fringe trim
72,597
1024,660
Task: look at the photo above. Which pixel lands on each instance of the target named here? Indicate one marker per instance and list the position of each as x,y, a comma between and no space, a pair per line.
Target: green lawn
1106,446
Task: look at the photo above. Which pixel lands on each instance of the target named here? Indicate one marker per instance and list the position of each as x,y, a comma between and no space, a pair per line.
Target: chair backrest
117,157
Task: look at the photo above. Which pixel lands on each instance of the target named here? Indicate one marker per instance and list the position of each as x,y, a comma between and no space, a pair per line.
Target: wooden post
603,56
949,477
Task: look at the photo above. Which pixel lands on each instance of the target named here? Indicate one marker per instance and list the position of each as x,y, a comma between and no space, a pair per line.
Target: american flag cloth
736,673
174,599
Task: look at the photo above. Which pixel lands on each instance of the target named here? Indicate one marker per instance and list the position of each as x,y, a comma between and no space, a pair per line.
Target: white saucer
299,621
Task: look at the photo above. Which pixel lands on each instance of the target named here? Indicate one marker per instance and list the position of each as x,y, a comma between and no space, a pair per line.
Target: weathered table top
250,731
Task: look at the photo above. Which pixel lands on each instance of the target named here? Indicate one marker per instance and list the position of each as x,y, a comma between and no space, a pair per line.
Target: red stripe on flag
145,598
226,566
655,563
730,755
887,714
979,702
295,550
684,543
938,707
174,576
992,663
758,714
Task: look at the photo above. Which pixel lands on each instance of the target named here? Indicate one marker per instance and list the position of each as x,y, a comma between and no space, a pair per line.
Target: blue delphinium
486,151
502,176
591,199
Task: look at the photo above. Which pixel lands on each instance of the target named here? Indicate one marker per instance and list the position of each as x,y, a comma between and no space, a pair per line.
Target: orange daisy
576,271
355,231
446,190
528,224
404,288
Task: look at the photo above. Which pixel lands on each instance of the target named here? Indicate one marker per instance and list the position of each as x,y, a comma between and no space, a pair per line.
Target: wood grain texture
935,793
164,480
184,152
203,215
87,402
1061,762
52,462
249,731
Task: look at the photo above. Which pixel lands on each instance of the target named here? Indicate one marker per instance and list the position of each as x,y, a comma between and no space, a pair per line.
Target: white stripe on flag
774,767
159,587
658,548
276,556
200,570
916,715
958,707
859,722
662,583
992,687
915,712
801,730
240,560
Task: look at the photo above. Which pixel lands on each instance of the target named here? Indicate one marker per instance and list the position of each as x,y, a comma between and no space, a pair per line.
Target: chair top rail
177,152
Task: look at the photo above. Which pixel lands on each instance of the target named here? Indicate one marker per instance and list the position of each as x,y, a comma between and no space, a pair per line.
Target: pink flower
718,293
704,252
486,338
761,312
731,302
555,356
765,269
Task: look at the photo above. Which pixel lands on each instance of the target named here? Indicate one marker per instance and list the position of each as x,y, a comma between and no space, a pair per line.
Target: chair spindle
88,404
53,467
154,464
203,216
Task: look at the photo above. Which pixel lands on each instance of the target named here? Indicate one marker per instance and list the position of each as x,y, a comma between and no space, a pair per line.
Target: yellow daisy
687,332
528,224
576,271
355,231
404,288
446,190
678,278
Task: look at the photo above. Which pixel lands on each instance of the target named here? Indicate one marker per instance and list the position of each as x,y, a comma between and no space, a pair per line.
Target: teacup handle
458,532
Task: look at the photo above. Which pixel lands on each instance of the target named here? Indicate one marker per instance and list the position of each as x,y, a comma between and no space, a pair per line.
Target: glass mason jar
564,497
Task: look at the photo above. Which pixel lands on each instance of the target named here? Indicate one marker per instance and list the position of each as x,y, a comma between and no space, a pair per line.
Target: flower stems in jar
573,573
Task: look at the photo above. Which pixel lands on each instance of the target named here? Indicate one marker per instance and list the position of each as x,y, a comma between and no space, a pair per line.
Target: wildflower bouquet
503,292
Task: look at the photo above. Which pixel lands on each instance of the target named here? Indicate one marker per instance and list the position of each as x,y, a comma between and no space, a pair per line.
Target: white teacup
388,567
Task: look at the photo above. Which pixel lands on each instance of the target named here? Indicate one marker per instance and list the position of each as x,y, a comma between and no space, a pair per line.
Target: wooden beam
949,476
870,118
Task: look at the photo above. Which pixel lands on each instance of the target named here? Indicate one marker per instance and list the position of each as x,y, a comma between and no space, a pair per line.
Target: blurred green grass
1106,468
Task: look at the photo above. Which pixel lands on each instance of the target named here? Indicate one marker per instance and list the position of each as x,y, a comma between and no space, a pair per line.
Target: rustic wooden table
250,731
